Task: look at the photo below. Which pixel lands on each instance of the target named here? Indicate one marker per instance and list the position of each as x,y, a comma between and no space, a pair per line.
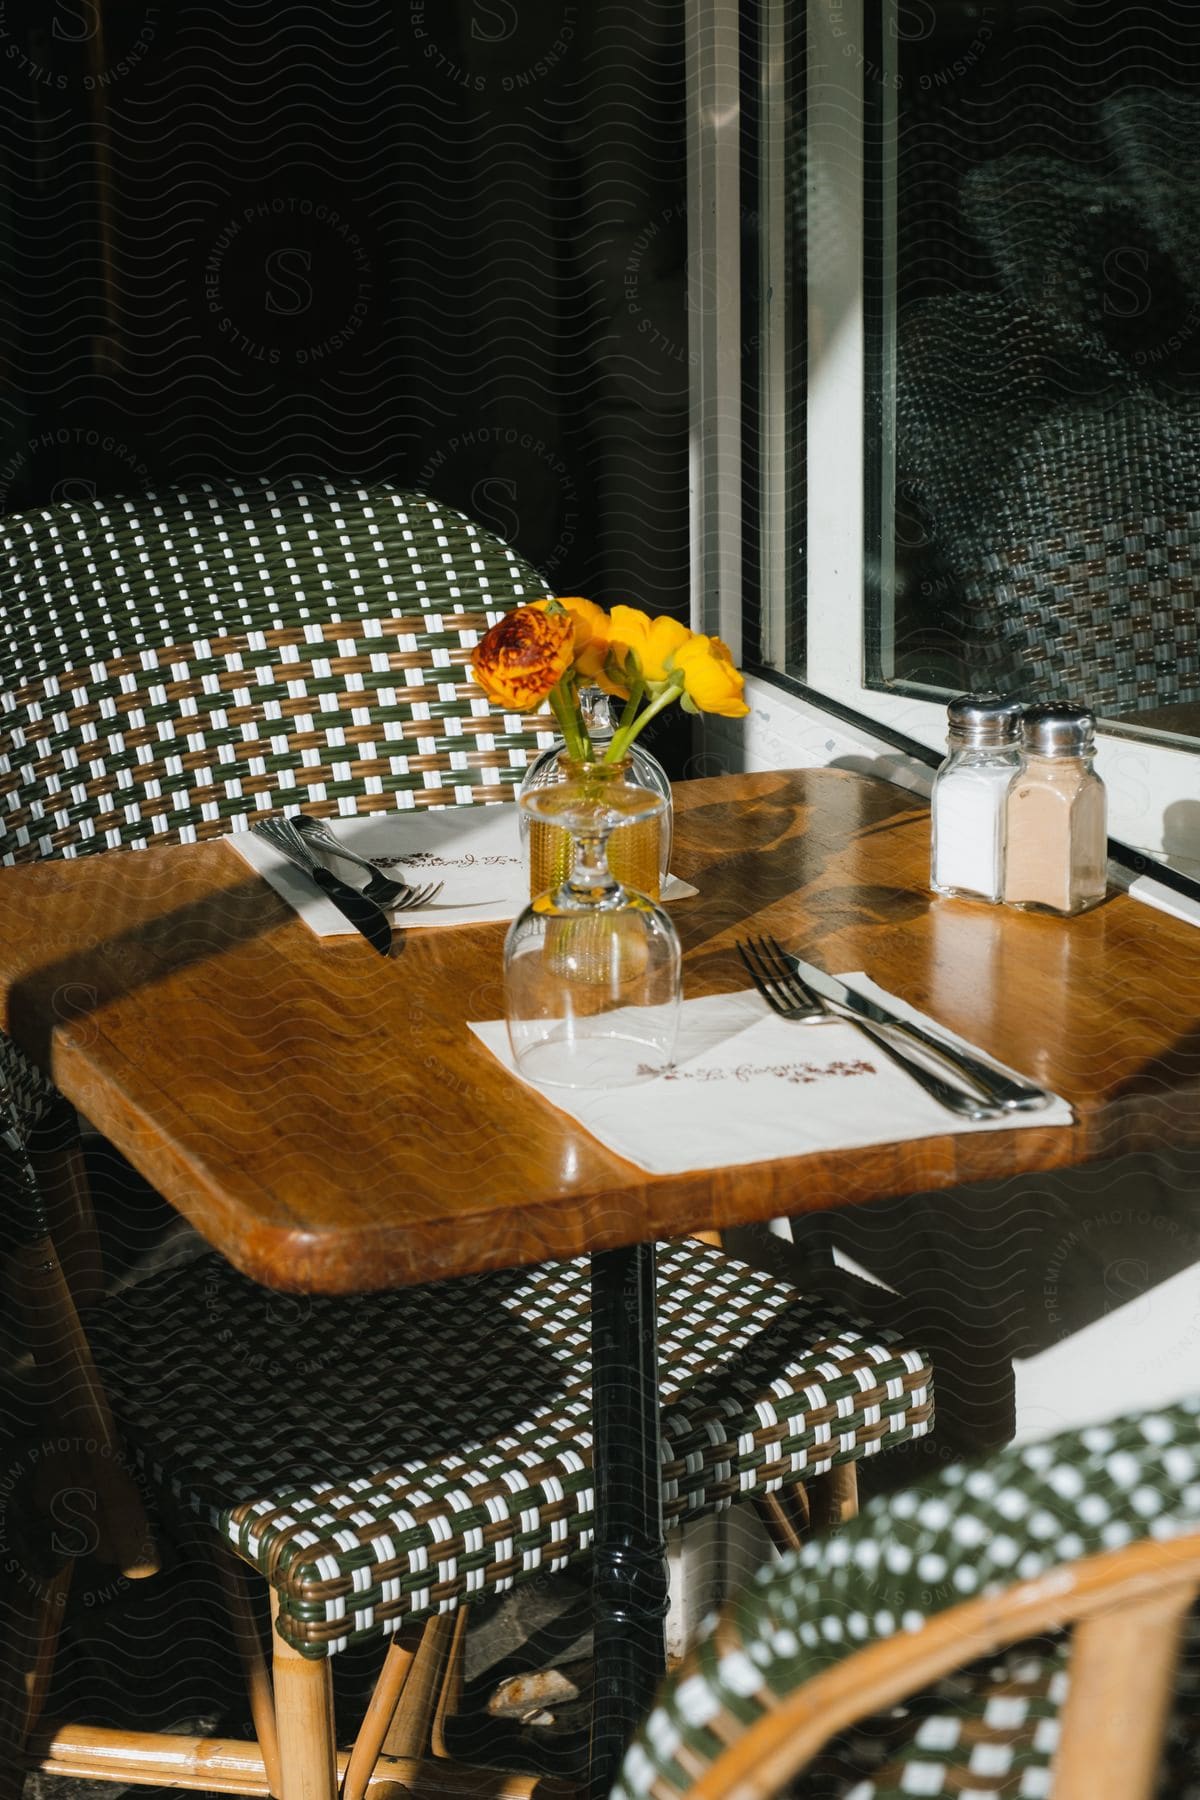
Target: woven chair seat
392,1455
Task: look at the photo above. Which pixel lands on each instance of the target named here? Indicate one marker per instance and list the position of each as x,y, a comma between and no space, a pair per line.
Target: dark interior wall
439,241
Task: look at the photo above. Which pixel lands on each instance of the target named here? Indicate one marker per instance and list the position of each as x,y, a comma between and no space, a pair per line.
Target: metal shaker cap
1058,729
978,721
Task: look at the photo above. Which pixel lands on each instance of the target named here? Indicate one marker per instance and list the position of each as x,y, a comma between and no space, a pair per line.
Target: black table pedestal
630,1579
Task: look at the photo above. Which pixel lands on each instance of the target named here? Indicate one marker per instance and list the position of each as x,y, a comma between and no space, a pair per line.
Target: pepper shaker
1057,853
970,792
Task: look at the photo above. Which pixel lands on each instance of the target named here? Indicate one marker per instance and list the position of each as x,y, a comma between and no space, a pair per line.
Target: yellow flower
590,625
641,645
710,681
522,657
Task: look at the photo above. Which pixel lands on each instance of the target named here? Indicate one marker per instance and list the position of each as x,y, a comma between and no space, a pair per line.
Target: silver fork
397,896
781,987
787,995
380,888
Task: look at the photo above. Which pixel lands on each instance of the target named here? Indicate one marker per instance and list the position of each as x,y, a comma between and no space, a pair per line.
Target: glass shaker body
968,804
969,791
1057,853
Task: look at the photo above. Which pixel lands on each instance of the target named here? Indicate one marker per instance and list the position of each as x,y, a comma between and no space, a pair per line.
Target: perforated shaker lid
977,720
1058,728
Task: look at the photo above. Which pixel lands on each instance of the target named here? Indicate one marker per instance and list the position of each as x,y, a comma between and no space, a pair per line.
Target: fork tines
779,985
416,897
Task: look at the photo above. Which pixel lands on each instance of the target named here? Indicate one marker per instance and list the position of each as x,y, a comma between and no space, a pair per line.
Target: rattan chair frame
1128,1608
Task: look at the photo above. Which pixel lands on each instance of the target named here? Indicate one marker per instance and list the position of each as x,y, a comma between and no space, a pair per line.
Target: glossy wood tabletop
324,1118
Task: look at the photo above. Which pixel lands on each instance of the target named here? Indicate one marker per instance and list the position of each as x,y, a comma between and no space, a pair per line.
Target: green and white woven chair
392,1458
1039,1606
181,664
173,667
177,665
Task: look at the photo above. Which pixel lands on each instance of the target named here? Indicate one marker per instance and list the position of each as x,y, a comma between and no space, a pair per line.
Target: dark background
435,241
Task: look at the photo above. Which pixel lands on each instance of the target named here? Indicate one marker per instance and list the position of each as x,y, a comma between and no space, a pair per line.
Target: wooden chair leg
452,1681
827,1502
393,1677
304,1720
784,1521
248,1639
81,1411
57,1158
29,1631
833,1498
47,1628
409,1732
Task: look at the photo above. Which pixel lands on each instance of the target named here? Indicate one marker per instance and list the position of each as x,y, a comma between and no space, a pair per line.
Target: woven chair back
1098,1530
177,665
1153,138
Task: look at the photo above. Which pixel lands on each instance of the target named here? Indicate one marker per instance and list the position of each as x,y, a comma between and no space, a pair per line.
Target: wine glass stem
591,881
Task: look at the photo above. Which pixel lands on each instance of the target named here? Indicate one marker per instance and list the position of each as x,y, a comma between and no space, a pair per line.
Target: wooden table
326,1121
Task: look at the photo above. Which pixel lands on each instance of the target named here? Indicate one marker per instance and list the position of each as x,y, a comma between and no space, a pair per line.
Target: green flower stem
565,708
624,737
631,705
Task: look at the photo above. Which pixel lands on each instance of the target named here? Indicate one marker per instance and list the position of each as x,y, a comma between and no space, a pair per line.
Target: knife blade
1010,1093
362,913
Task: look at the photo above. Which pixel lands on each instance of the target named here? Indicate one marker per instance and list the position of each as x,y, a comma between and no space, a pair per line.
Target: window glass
1033,289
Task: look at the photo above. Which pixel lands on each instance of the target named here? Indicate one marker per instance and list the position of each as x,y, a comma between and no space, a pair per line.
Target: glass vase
591,966
547,849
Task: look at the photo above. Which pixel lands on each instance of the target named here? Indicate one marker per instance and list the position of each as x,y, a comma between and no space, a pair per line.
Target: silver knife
362,913
1012,1094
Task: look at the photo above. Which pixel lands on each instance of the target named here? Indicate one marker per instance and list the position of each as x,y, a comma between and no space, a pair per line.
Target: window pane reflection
1046,326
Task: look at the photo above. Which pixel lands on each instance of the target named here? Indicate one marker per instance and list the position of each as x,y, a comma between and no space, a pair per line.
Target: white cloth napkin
474,851
746,1086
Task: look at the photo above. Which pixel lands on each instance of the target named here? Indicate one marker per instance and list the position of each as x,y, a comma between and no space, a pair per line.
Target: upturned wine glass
591,966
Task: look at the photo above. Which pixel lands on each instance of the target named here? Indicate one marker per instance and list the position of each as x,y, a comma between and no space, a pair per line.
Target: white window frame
1144,779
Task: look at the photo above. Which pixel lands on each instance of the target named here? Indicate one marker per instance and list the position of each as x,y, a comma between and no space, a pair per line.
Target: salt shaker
969,795
1057,854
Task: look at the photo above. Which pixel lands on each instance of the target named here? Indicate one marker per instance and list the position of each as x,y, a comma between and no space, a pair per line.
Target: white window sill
784,731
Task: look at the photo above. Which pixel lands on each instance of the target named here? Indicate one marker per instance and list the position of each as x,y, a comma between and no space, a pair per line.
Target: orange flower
541,652
590,624
522,657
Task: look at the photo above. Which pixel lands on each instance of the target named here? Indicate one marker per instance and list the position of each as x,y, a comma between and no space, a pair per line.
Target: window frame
849,481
